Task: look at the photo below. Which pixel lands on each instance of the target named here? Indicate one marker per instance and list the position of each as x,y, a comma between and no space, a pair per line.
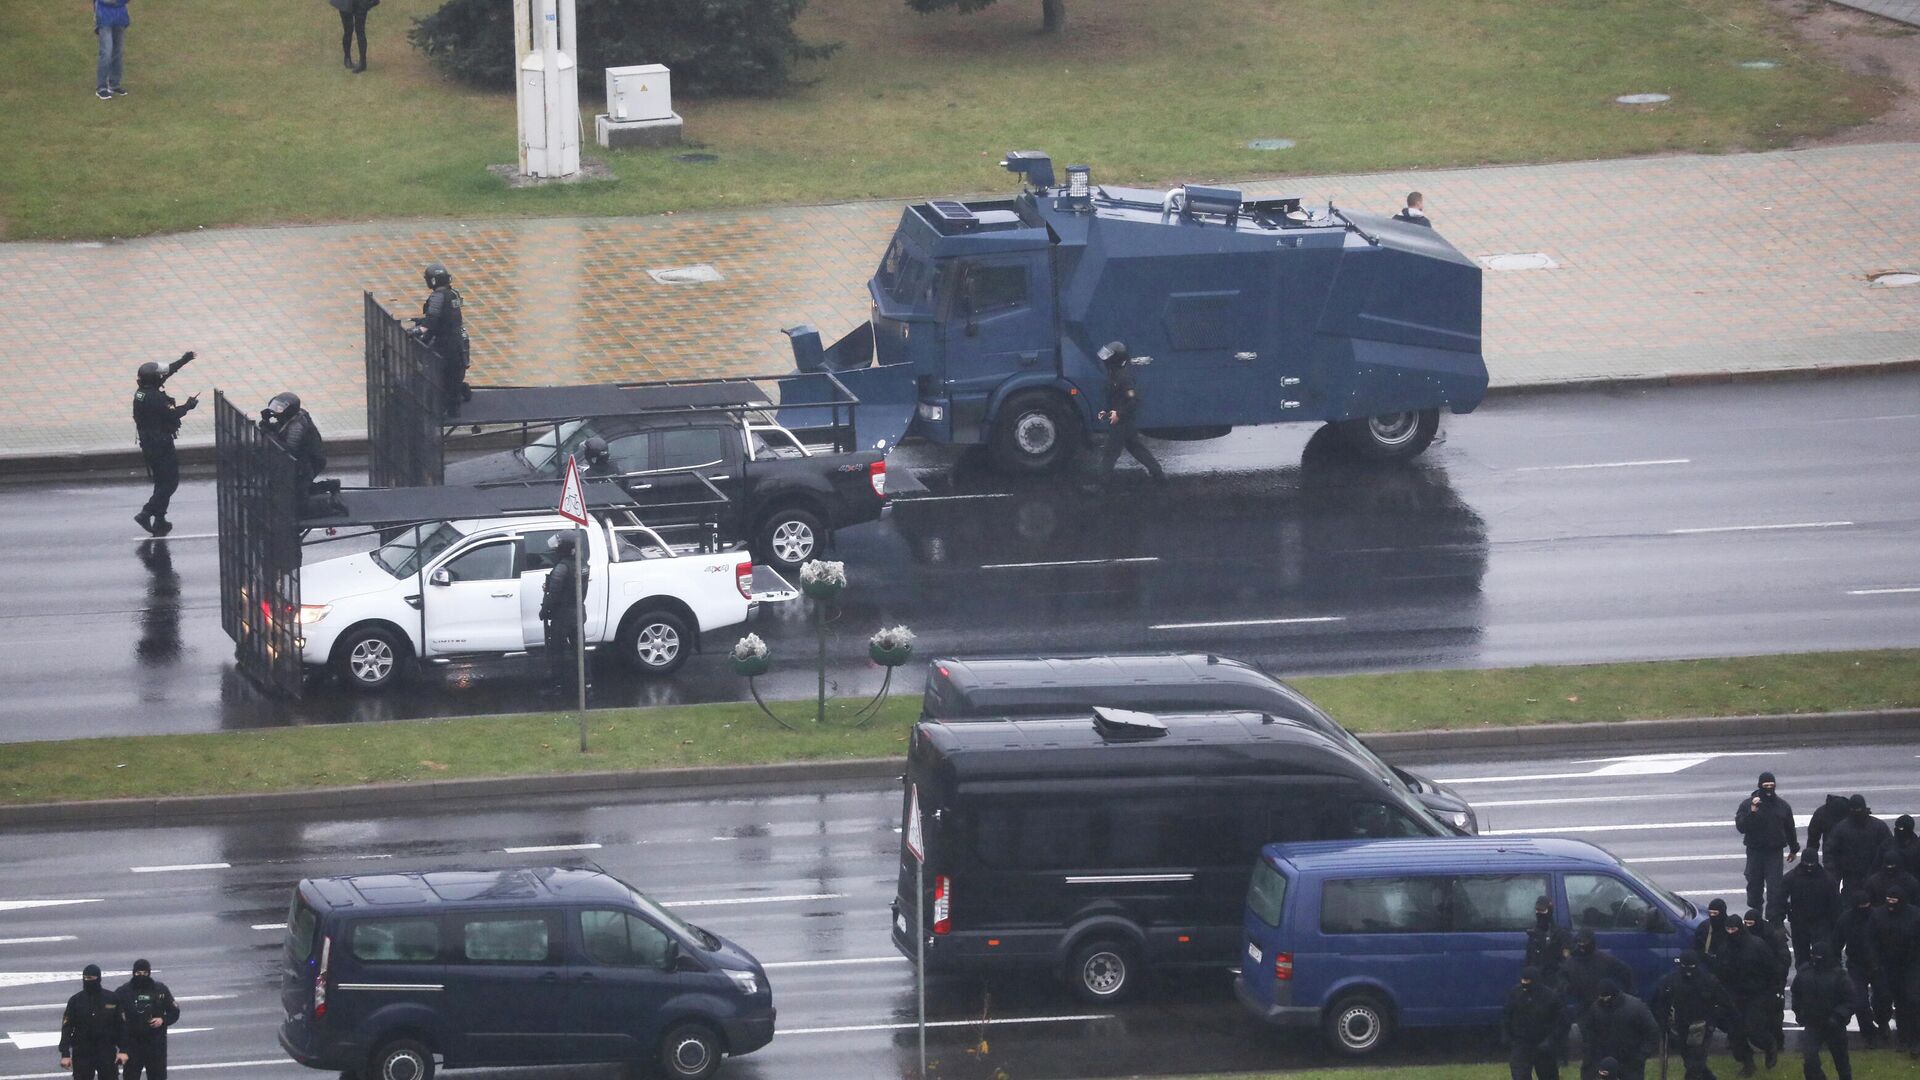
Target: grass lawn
1867,1065
240,112
424,750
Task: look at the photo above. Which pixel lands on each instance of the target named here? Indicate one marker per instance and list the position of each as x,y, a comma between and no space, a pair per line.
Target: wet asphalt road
1551,529
801,878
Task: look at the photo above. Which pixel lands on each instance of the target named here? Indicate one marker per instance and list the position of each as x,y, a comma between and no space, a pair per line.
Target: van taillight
942,904
743,579
1283,967
877,476
320,979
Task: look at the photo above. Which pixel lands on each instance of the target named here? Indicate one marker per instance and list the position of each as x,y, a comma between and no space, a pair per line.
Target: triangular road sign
915,843
573,501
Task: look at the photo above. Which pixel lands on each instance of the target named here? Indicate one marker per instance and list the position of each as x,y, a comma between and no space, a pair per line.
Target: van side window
1410,905
1601,902
1024,834
518,938
1195,831
1496,904
397,941
616,938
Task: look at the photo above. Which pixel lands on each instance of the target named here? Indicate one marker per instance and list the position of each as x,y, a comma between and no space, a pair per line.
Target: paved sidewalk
1906,11
1669,266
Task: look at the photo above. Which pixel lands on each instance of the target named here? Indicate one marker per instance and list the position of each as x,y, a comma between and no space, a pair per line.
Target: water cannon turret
1034,167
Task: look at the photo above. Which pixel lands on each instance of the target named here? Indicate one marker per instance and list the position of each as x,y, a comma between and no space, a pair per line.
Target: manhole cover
697,159
1270,144
1642,99
1525,260
1758,65
685,275
1894,279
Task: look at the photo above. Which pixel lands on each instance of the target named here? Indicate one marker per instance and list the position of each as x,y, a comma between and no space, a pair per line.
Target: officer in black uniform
150,1010
442,328
93,1031
1688,1003
1533,1025
560,612
292,427
156,420
1823,1003
1122,415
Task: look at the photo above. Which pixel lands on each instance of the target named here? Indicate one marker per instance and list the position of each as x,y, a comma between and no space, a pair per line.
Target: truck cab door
681,457
999,322
472,600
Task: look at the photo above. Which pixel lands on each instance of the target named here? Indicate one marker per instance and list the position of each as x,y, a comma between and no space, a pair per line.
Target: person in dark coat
150,1011
1825,816
560,613
353,26
1853,940
1822,1005
1122,415
1745,967
1813,904
442,327
1894,934
1618,1026
1890,875
1765,821
1587,966
1547,945
1853,846
93,1031
1415,212
292,427
1709,936
1689,1003
156,422
1905,846
1533,1025
1775,940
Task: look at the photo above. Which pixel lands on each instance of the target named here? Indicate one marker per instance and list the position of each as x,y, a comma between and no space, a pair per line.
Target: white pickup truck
472,588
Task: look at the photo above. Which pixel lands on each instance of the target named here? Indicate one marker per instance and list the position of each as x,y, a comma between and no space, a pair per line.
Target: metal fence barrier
259,550
404,406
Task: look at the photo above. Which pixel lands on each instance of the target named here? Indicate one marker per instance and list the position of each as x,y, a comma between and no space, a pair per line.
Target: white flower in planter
821,572
749,648
891,638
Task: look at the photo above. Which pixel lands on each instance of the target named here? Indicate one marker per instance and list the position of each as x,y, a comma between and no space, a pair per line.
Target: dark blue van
386,973
1361,937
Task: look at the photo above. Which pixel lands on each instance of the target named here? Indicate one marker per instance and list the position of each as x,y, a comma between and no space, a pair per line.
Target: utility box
639,108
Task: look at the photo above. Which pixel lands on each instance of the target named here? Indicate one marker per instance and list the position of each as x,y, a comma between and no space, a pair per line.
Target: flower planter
893,657
821,590
751,666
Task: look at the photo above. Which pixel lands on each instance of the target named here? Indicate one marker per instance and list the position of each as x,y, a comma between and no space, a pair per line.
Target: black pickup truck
784,496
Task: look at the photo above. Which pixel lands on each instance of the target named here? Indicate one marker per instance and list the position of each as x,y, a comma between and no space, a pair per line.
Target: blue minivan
1362,937
384,974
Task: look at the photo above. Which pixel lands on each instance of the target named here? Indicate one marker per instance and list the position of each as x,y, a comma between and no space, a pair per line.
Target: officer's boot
161,526
144,520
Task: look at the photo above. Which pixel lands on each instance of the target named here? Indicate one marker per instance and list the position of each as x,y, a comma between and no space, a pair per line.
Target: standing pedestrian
1710,935
353,25
1415,212
1774,939
1812,902
1905,846
1890,876
1745,968
1825,816
93,1031
442,328
156,422
1618,1027
1547,945
150,1010
1894,932
110,22
1853,939
1689,1003
1122,415
1822,1004
1853,845
1533,1024
1766,822
560,613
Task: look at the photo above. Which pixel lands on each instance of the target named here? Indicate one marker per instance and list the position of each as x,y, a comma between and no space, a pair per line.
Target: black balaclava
142,974
1529,975
1734,926
1607,994
1583,943
1607,1069
1689,964
1822,955
1896,898
90,979
1752,918
1903,826
1717,912
1857,806
1543,913
1766,791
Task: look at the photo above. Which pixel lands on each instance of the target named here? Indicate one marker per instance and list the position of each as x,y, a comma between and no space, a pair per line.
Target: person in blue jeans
110,23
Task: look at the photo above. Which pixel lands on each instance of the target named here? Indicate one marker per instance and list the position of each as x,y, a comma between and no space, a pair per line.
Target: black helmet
562,542
1113,353
437,275
282,406
595,449
151,374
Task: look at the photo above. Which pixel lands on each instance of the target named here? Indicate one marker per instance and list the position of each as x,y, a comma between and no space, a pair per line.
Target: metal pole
580,629
920,955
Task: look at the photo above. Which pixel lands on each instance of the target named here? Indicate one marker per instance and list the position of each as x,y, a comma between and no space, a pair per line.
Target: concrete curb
1406,746
353,451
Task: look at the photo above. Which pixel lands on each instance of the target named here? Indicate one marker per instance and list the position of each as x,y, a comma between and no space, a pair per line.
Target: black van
1096,844
509,967
966,688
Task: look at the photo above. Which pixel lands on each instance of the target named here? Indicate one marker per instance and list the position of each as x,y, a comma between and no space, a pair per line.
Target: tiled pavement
1906,11
1666,266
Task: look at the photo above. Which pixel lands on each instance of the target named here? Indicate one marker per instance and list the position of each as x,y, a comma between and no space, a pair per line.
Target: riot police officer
442,328
292,427
1122,415
156,420
150,1010
93,1031
560,611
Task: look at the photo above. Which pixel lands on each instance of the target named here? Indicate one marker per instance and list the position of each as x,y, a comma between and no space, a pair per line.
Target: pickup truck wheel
1036,432
1391,436
655,642
788,538
369,660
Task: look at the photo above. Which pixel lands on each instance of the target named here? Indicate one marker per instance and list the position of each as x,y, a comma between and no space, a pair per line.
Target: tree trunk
1053,15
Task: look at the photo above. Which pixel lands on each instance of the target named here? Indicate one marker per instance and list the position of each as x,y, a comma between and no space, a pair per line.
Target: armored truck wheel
1390,436
1036,433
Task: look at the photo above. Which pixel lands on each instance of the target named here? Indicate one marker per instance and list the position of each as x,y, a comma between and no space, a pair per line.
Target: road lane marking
1760,528
22,905
757,900
1080,1018
550,847
256,1064
170,536
1799,820
1632,765
1884,592
35,940
1069,562
40,1040
834,963
51,1005
11,979
904,499
1682,858
270,926
1247,622
181,866
1605,465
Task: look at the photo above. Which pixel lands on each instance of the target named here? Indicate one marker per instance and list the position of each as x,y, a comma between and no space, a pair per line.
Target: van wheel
1103,972
690,1052
1036,432
370,659
1357,1025
401,1059
1390,436
655,642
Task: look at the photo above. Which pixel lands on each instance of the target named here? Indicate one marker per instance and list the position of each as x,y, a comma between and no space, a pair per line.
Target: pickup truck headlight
744,981
313,613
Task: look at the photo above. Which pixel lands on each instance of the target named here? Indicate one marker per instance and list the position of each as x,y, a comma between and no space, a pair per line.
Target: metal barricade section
404,406
259,516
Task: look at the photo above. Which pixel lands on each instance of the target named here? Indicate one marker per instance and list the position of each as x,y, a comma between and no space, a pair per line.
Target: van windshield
660,913
1673,899
1267,896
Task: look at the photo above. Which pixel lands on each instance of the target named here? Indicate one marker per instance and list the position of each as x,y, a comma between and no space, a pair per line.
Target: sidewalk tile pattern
1906,11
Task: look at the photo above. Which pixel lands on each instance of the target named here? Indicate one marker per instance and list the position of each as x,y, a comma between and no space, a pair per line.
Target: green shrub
713,46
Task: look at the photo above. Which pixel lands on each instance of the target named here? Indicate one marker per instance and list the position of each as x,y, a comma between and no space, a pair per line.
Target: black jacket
1853,846
145,1000
1812,897
1583,975
1707,939
1533,1017
1626,1032
1680,1002
156,417
1769,828
300,436
94,1023
1744,965
1853,938
1822,997
442,326
557,597
1123,398
1547,950
1894,937
1825,816
1776,945
1904,848
1882,882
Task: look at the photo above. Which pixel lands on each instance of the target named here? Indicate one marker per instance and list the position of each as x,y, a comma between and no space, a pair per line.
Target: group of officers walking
1839,934
103,1030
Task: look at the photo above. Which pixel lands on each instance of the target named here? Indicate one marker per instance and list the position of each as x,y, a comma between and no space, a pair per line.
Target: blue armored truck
987,315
